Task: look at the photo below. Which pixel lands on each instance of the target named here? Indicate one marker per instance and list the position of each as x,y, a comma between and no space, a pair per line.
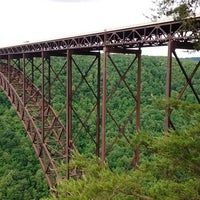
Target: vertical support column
69,108
32,70
8,69
103,149
136,150
43,95
138,92
49,80
168,85
98,107
24,80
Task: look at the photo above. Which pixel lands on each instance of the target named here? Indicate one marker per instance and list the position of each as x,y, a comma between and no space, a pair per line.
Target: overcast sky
38,20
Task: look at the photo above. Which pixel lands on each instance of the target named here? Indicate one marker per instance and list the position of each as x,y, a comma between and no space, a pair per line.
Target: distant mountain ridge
193,58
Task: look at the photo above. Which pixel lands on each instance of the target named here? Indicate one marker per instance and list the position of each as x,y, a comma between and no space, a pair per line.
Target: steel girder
129,124
155,34
172,46
30,85
77,106
43,126
29,82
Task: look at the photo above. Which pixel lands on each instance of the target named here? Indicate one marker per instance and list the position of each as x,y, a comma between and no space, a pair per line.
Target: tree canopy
179,9
169,166
183,10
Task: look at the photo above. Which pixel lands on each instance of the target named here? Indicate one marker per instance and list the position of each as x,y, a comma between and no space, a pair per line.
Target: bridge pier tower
130,122
187,75
82,65
57,124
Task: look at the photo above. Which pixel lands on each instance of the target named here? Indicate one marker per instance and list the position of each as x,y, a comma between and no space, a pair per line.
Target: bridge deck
52,141
156,34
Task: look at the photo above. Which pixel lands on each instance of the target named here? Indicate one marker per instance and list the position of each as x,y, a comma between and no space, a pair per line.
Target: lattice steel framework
172,46
132,37
30,78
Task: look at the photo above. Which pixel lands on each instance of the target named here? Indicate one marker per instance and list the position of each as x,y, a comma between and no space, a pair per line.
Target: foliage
21,176
169,167
180,10
170,171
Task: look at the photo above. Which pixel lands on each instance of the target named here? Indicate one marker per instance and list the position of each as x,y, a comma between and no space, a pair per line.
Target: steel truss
43,126
30,78
138,36
29,81
172,46
124,126
87,128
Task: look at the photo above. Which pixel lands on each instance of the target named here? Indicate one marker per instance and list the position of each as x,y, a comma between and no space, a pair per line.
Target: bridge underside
50,90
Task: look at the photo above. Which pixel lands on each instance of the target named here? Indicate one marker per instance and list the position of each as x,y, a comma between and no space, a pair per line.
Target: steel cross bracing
55,111
46,135
189,84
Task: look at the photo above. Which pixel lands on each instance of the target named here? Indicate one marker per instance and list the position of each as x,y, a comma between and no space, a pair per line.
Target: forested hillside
20,174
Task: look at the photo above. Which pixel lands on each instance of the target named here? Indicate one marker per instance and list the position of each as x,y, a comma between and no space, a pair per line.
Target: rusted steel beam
69,109
8,69
98,109
30,126
188,79
155,34
54,141
168,84
43,97
136,150
104,91
138,91
172,46
92,112
24,80
107,97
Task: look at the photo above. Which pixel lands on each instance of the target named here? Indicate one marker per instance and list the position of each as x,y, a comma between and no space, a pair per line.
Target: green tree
170,171
184,10
169,168
179,9
21,176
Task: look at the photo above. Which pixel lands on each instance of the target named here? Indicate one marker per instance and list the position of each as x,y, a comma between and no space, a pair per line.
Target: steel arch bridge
29,78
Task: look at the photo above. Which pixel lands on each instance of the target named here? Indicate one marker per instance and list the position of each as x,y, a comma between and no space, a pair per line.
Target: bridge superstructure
32,94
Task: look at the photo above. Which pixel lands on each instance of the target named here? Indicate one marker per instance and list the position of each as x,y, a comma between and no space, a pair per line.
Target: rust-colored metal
98,109
8,68
138,92
172,51
27,119
84,72
136,150
24,80
69,108
43,98
74,133
168,84
132,37
103,148
188,78
28,82
107,97
45,130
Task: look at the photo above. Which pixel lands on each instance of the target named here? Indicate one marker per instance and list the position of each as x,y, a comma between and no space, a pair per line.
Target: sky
25,21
